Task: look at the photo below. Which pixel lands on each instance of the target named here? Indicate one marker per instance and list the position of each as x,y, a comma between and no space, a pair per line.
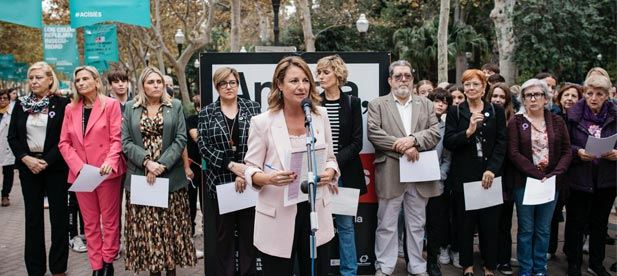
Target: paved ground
12,247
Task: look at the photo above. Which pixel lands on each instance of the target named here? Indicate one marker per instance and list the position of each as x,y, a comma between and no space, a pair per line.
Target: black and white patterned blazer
213,141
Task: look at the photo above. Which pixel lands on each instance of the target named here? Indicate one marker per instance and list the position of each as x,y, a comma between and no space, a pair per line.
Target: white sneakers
199,254
586,244
77,245
455,259
444,256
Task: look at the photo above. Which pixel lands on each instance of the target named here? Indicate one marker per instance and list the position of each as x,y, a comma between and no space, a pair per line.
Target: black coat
466,166
18,137
350,142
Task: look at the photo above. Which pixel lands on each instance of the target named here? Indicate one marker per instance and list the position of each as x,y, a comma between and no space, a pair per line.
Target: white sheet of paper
346,201
537,192
88,179
599,146
156,195
297,162
425,169
476,197
231,201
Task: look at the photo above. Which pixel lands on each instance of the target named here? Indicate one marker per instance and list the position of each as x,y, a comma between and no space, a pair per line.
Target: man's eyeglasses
534,96
402,77
224,84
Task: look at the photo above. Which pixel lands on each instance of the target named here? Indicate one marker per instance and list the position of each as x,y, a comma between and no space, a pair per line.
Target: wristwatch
415,141
230,165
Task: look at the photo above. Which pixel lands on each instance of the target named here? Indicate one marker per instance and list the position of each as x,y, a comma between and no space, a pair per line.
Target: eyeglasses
402,77
231,84
428,91
4,98
472,84
534,96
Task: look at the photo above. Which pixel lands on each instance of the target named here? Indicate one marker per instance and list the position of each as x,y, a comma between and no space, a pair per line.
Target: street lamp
468,57
179,37
147,59
362,26
276,4
196,64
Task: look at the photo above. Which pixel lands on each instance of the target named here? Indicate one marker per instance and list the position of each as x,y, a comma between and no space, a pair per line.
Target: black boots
108,269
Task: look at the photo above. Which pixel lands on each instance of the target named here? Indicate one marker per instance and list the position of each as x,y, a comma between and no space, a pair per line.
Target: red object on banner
369,176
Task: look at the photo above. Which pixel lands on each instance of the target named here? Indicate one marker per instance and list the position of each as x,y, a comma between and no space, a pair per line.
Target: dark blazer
521,155
213,140
174,142
350,142
18,140
466,165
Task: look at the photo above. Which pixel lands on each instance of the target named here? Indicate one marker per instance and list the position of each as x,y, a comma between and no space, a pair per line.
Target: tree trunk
235,25
264,24
159,58
181,75
461,66
442,42
502,16
307,28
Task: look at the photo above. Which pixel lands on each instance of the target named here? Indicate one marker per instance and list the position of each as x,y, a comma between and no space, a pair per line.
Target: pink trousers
101,208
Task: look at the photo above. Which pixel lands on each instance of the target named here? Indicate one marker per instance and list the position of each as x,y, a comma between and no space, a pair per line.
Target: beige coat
268,143
384,127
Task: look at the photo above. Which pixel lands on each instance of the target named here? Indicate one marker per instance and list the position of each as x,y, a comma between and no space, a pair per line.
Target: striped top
334,108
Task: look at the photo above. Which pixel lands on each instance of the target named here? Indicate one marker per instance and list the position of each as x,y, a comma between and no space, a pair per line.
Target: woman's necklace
230,131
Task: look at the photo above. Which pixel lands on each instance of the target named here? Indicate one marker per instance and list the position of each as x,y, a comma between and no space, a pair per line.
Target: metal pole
276,4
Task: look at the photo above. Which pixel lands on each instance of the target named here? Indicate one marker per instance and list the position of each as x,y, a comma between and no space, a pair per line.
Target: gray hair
400,62
534,83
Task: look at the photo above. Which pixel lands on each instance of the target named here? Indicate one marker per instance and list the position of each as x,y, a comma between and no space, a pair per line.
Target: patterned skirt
158,239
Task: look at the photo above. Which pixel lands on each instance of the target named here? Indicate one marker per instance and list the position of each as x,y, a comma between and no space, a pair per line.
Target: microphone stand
310,184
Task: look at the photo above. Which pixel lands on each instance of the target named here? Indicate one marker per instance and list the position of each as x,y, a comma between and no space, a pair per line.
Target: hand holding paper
143,193
88,179
598,146
539,191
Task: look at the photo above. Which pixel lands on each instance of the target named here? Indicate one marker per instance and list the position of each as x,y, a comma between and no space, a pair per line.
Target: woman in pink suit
281,232
91,135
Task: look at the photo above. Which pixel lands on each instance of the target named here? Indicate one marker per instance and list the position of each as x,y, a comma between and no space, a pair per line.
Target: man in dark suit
401,124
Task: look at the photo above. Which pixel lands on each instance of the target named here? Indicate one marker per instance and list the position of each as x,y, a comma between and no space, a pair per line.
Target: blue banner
88,12
101,44
23,12
60,48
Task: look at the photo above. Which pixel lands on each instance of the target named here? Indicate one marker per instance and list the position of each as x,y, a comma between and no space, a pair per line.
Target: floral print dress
157,239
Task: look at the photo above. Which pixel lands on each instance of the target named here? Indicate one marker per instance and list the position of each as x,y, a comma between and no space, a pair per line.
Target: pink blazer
102,143
268,143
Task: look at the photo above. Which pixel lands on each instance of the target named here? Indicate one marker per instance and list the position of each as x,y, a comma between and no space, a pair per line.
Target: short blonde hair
99,84
597,70
598,81
338,67
222,73
141,97
41,65
275,98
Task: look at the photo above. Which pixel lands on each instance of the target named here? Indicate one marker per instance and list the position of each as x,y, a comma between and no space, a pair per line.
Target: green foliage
565,37
419,45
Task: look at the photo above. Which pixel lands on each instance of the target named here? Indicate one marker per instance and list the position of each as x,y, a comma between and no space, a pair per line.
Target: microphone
306,105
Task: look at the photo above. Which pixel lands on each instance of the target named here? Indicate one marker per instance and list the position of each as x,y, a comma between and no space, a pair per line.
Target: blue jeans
347,245
534,230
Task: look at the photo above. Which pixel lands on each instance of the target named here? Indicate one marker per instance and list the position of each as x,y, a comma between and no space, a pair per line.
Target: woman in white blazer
281,232
7,159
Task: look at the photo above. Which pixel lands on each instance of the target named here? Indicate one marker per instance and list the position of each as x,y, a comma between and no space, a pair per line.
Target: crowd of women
53,138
